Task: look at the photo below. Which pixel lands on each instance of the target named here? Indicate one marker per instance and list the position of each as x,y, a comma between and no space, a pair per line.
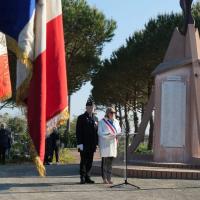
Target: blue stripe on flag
14,15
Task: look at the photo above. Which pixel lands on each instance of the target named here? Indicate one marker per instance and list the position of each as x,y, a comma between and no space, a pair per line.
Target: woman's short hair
109,110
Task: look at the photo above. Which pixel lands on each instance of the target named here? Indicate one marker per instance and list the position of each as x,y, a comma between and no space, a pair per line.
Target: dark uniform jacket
5,139
55,137
86,132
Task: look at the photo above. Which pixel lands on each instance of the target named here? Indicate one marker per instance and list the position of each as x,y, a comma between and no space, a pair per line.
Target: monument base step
161,172
165,165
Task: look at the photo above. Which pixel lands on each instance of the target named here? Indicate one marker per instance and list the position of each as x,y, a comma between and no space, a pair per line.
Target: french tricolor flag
34,31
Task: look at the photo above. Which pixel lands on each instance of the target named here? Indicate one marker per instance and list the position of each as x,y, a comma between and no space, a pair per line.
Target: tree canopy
128,72
86,30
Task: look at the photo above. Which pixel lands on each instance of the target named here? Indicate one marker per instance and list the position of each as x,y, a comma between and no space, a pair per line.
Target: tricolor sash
110,126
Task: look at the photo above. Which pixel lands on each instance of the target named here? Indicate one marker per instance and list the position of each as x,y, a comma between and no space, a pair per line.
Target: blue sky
130,15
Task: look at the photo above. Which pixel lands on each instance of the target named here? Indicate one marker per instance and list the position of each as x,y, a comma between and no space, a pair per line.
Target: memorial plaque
173,113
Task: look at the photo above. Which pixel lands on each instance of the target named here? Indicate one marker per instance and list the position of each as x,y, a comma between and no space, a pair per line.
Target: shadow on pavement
7,186
39,189
29,170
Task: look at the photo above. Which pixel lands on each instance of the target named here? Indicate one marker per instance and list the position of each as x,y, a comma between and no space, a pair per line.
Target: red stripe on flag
48,88
56,68
5,85
37,105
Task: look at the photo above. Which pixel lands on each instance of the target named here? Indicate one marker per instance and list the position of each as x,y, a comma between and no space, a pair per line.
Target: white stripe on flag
26,44
40,28
54,9
3,48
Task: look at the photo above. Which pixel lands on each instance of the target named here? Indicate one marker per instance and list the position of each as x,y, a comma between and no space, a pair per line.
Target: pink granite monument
177,100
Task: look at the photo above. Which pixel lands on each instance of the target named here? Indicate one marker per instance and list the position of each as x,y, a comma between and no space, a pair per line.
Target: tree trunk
126,119
116,109
135,119
141,130
2,106
135,116
142,110
150,142
69,110
120,116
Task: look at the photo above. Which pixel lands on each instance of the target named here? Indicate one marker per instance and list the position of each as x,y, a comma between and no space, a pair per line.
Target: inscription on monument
173,113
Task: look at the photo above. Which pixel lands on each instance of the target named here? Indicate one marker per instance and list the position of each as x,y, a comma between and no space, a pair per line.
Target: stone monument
177,96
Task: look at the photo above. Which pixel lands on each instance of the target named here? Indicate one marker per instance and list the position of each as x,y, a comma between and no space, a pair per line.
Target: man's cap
90,102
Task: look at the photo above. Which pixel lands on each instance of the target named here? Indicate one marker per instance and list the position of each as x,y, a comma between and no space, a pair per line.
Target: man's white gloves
80,146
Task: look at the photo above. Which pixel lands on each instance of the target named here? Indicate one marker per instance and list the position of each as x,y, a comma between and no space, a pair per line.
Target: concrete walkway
20,182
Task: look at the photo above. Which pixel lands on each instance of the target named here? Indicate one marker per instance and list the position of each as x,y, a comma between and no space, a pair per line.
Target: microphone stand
126,183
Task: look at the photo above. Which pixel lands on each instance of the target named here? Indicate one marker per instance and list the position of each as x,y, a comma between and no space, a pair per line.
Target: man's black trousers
2,155
86,163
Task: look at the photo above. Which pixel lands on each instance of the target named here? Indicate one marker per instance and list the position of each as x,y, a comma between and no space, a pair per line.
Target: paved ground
22,183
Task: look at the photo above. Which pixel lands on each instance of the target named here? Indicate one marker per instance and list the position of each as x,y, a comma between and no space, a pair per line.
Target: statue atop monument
187,13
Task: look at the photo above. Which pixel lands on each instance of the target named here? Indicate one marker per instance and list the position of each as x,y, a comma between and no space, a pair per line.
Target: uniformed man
5,142
48,150
55,143
87,141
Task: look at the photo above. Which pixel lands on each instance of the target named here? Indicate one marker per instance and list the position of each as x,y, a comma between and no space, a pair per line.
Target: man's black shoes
82,180
88,180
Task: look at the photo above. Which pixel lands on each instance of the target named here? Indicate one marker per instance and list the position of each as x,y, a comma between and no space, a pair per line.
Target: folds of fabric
5,84
56,67
38,42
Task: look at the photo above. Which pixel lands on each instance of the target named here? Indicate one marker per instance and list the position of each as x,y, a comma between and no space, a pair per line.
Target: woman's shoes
110,182
105,181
